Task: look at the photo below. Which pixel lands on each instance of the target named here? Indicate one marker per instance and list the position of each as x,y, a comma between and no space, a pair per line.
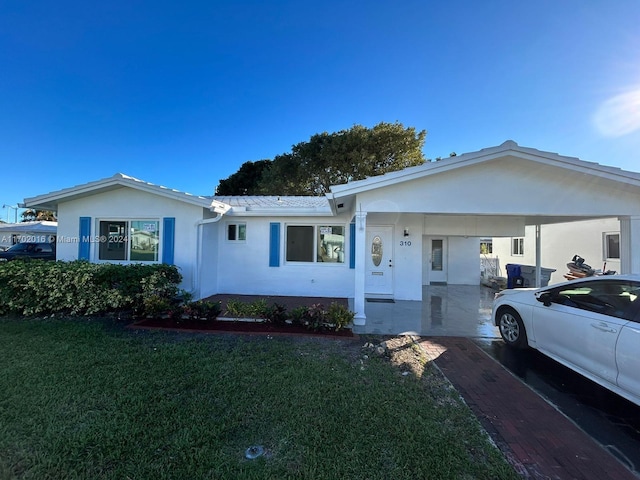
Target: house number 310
405,243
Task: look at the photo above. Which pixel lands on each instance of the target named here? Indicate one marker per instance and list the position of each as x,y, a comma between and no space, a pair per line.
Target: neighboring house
597,241
38,232
385,236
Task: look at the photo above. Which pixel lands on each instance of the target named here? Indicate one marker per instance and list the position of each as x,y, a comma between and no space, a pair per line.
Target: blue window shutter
352,245
168,239
274,244
84,240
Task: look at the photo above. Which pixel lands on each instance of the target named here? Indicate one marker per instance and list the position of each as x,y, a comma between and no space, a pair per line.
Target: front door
379,264
436,264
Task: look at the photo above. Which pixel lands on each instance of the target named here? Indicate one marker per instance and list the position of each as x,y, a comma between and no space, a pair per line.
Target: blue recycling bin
514,276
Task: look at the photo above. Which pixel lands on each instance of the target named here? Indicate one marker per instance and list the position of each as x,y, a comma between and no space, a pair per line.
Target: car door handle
603,327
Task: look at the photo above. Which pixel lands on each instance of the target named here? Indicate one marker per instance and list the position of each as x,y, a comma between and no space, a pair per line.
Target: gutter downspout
220,210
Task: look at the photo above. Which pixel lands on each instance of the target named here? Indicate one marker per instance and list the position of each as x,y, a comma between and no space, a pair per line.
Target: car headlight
497,295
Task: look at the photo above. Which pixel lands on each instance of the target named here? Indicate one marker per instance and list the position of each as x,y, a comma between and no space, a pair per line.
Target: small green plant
339,316
258,308
155,306
315,317
236,308
201,310
298,314
276,314
239,309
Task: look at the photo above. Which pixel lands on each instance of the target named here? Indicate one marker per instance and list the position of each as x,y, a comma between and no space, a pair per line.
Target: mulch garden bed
243,327
250,327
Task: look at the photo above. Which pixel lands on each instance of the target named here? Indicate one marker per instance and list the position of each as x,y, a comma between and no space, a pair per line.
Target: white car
591,325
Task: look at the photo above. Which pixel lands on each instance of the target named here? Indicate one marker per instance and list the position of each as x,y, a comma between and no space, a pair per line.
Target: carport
422,225
445,311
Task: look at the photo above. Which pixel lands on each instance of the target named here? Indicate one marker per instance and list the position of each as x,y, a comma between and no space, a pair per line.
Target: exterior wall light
406,232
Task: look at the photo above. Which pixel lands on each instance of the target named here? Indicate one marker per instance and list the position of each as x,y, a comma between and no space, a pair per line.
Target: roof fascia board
91,187
278,213
468,159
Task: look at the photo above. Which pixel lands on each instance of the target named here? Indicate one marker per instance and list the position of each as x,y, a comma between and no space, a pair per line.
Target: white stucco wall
208,268
243,267
464,261
505,186
129,204
559,243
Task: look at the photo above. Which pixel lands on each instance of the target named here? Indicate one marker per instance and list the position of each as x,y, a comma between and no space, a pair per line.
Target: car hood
513,291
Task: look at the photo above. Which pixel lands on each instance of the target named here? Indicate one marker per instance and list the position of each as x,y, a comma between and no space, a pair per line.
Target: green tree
245,181
31,215
331,159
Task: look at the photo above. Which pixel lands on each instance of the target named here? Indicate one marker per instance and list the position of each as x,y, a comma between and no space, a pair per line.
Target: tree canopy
245,181
330,159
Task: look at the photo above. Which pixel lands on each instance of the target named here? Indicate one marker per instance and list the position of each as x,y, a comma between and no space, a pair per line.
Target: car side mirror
545,298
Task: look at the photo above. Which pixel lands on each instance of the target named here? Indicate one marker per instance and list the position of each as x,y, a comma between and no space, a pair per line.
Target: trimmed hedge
83,288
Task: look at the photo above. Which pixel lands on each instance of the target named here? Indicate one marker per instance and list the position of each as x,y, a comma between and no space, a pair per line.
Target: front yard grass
88,399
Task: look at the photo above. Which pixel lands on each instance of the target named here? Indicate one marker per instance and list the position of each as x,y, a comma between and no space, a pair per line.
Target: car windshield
22,247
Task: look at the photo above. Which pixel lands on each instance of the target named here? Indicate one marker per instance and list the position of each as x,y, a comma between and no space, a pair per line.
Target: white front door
436,260
379,261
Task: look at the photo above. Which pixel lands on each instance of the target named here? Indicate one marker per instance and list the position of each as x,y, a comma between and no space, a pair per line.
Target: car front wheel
512,329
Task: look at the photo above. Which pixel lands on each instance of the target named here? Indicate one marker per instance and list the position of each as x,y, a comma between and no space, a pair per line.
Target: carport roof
508,148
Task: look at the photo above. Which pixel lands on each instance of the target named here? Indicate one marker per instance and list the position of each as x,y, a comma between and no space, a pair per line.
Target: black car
41,251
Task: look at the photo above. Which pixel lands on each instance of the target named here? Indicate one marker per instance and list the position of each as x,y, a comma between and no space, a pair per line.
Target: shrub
239,309
315,317
298,314
202,310
339,316
155,306
236,308
83,288
258,308
276,314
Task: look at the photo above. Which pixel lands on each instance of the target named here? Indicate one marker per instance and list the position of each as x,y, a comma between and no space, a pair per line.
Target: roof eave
484,155
50,201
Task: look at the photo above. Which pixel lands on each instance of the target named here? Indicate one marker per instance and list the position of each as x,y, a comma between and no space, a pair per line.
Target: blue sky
182,93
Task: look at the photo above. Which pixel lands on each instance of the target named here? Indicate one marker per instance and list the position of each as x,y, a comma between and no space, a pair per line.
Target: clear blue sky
182,93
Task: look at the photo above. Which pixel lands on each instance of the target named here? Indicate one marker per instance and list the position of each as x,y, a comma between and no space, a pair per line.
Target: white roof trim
507,148
50,200
269,206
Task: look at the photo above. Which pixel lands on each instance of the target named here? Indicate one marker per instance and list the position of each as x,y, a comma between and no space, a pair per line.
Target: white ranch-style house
382,237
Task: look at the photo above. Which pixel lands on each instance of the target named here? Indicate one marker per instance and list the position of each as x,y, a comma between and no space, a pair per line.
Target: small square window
612,246
486,246
237,232
517,246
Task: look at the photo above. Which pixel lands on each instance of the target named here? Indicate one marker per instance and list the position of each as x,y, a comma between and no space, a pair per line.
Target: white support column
538,260
361,247
630,244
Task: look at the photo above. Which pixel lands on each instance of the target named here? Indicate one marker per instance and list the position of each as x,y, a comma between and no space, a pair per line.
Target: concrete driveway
445,311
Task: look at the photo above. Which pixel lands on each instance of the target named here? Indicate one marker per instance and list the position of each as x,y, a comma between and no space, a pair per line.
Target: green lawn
91,400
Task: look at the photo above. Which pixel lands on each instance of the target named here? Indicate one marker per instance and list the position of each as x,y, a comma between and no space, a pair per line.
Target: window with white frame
486,246
612,246
236,232
315,243
517,246
129,240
